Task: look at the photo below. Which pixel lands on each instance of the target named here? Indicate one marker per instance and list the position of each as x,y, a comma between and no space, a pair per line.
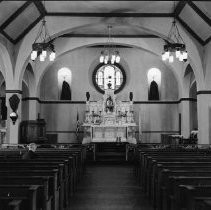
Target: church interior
115,94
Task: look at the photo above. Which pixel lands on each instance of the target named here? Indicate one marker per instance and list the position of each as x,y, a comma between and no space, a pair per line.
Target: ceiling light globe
33,55
101,59
177,53
44,53
181,57
185,55
42,58
117,59
167,54
171,59
164,56
52,56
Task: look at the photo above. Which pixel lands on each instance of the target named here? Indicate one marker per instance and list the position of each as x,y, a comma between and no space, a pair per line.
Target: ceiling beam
179,7
7,36
190,31
200,13
40,7
28,29
207,40
89,14
15,15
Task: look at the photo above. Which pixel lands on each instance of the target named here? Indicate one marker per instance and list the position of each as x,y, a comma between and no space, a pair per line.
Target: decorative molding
188,99
52,101
113,14
159,132
84,102
203,92
48,132
166,102
14,91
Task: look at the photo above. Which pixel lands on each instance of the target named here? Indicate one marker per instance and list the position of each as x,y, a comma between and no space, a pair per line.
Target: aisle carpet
109,187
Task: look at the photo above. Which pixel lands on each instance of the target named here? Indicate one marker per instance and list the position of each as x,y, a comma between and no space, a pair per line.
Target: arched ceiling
17,18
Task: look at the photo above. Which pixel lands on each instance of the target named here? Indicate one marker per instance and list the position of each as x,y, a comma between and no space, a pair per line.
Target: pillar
185,117
33,108
204,116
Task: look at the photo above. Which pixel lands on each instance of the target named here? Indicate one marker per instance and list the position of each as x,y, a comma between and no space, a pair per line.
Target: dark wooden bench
26,193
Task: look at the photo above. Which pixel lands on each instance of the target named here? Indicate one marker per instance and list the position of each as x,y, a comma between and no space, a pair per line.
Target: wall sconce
14,101
13,117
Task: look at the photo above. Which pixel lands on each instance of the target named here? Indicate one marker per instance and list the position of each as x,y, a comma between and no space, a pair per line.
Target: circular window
109,76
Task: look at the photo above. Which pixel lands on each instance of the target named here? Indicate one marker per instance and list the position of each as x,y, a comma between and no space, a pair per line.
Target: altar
109,120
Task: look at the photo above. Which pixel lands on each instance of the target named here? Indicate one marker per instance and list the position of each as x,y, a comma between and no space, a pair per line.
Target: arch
64,83
152,25
7,68
47,65
154,74
29,79
193,107
25,103
154,81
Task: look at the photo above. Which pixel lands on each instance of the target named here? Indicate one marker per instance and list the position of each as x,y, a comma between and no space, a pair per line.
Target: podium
33,131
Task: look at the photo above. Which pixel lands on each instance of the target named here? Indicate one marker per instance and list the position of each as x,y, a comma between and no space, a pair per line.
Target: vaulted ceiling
17,18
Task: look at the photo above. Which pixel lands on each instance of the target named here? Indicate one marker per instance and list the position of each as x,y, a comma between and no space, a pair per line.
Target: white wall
61,117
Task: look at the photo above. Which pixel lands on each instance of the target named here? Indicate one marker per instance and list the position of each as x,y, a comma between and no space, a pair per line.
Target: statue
87,96
109,104
131,96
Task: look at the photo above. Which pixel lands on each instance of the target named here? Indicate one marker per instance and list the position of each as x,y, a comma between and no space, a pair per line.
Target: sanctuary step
110,152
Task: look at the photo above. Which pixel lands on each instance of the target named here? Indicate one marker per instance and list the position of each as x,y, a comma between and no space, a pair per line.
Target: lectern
33,131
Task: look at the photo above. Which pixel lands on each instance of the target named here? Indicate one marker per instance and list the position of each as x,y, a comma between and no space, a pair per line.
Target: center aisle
109,187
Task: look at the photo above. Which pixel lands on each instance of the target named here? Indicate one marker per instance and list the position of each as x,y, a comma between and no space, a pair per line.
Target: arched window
154,81
64,82
105,74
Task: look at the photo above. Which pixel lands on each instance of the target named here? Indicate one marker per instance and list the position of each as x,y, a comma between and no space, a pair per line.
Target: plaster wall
156,118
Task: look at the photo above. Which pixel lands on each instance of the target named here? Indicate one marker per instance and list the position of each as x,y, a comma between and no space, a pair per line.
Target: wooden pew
74,161
174,181
53,194
190,196
43,181
26,193
163,173
149,172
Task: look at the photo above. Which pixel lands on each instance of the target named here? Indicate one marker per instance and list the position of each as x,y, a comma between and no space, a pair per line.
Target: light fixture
109,54
43,44
175,46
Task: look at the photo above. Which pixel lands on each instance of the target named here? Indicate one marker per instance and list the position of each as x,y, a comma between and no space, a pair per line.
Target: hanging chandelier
109,54
175,47
43,44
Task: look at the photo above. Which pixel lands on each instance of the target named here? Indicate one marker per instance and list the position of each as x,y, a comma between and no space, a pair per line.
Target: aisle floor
109,187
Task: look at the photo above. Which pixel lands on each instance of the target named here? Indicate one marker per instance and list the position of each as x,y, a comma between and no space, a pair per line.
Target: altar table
109,133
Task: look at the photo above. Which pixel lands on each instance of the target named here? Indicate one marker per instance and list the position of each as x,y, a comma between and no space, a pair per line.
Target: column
185,117
13,130
204,116
33,108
